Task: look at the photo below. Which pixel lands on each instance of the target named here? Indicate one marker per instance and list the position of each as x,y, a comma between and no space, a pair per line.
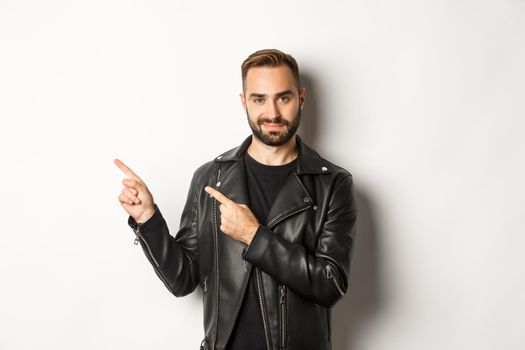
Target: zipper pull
328,271
205,284
330,275
243,260
283,294
137,234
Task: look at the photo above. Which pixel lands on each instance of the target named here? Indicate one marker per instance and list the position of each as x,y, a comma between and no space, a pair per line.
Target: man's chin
273,138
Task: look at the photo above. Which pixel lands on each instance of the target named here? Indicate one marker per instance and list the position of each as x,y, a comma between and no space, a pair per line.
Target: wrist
251,233
146,215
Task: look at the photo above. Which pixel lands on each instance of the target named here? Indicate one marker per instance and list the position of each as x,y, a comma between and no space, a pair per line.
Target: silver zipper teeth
283,316
161,275
216,241
257,274
137,232
216,273
330,275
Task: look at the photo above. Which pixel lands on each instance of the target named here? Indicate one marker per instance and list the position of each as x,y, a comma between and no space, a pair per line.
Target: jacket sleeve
174,259
323,276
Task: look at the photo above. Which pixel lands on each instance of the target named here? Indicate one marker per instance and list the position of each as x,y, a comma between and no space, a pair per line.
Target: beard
275,138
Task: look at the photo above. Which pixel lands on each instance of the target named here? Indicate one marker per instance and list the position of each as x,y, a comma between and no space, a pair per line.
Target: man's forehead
268,80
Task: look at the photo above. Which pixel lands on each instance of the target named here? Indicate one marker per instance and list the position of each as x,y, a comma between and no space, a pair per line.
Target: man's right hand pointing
135,198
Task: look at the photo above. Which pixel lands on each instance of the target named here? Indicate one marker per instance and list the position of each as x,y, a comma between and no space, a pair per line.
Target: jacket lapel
292,198
233,182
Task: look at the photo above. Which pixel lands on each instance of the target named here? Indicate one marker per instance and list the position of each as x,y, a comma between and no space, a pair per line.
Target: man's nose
272,110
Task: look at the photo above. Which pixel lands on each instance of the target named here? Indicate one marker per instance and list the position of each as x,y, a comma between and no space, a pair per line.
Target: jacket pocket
282,317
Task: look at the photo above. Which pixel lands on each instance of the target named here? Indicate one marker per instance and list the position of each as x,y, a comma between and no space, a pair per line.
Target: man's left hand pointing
237,220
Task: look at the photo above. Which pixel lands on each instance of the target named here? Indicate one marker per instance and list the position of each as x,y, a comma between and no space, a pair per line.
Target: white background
422,101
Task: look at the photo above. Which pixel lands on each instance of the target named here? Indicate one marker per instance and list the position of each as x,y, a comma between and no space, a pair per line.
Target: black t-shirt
264,183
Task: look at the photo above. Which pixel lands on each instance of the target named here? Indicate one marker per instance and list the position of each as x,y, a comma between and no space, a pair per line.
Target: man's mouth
273,126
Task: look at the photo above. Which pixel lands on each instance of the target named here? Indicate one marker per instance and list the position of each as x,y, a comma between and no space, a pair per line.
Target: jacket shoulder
207,169
336,170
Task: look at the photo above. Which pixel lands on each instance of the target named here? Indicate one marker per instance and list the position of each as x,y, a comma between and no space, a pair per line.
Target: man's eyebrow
279,94
285,92
254,94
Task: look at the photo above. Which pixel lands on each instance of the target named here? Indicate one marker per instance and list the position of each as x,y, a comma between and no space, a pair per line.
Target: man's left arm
323,276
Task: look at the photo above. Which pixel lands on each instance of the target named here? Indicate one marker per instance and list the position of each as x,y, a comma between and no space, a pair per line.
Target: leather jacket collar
295,195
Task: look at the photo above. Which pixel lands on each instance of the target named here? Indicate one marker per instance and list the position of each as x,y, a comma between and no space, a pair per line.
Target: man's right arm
173,259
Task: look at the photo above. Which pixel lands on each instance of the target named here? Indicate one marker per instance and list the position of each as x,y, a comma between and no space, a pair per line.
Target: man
267,230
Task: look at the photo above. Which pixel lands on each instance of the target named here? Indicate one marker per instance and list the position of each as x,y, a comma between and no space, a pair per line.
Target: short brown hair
269,58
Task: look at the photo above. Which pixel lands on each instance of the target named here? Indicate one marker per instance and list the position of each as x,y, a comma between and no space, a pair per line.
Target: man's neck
273,155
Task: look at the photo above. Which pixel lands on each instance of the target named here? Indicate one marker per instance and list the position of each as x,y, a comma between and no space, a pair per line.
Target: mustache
279,121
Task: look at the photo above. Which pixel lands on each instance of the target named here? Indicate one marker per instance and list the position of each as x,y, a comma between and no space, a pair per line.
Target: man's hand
135,198
237,220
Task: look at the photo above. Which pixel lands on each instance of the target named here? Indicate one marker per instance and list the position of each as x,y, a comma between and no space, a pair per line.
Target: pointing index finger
219,196
126,170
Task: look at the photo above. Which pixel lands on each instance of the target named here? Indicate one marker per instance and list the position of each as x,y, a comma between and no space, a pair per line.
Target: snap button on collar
324,168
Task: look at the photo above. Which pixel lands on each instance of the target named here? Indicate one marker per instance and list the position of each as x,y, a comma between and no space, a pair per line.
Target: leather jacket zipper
282,309
300,209
263,310
139,236
281,218
149,253
330,275
216,241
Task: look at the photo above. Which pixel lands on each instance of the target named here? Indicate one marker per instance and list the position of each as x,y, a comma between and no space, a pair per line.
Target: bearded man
267,230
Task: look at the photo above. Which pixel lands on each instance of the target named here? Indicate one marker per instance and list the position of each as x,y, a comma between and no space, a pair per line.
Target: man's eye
285,99
258,100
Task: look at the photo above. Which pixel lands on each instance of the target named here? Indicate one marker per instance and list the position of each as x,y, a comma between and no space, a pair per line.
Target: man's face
273,104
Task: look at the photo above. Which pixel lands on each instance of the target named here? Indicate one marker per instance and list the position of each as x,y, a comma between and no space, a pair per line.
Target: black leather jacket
301,253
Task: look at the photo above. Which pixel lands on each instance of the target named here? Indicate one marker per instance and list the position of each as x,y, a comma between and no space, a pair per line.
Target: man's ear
243,101
302,95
